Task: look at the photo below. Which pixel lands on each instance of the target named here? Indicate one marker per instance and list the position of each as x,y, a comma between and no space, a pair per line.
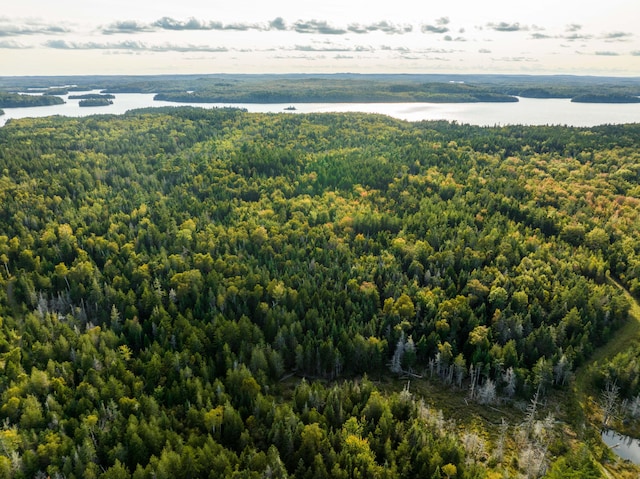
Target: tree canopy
162,271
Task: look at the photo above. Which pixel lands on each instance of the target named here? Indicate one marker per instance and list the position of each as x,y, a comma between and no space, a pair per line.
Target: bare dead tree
609,401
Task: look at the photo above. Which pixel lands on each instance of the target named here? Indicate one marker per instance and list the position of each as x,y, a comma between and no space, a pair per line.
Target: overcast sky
46,37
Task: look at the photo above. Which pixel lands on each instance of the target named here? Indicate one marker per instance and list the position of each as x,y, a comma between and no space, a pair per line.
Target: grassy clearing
587,396
624,338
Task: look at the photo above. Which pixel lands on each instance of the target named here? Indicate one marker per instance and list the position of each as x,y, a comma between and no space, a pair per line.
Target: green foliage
102,101
16,100
578,465
336,90
161,272
605,98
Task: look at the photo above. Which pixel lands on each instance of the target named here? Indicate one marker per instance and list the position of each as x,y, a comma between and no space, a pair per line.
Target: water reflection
528,111
624,446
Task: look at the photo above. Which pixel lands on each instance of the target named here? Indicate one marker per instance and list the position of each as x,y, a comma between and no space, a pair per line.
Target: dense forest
349,88
213,293
16,100
92,96
607,98
332,90
104,101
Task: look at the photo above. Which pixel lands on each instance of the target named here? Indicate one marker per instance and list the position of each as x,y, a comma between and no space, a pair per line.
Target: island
17,100
337,90
96,102
1,112
605,98
56,91
92,96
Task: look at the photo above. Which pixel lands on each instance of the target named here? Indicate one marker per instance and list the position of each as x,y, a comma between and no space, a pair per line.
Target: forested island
103,101
93,99
15,100
213,293
92,96
337,91
606,98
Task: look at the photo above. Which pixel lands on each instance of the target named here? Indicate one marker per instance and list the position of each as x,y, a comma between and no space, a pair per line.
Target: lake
624,446
527,111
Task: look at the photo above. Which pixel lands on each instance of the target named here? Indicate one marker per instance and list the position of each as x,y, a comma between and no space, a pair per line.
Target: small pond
624,446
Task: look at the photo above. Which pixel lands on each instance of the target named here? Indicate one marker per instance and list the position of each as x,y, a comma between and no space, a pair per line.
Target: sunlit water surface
527,111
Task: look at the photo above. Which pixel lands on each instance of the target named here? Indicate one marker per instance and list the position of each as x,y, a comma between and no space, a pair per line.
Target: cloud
540,36
635,53
617,36
515,59
126,26
576,36
573,27
333,48
381,26
277,24
168,23
395,49
309,48
507,27
11,29
484,50
439,27
449,38
310,58
317,26
434,29
12,45
607,54
132,46
321,27
65,45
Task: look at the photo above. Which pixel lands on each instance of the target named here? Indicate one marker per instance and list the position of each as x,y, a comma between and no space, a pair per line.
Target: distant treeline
338,91
606,98
344,88
92,96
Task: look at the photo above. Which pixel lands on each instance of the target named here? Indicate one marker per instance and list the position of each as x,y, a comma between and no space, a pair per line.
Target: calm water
624,446
527,111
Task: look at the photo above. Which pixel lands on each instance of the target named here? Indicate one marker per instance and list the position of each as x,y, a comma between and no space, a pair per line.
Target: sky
87,37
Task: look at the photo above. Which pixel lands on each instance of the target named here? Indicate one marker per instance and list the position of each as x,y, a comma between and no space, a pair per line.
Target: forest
103,101
15,100
335,90
342,88
214,293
